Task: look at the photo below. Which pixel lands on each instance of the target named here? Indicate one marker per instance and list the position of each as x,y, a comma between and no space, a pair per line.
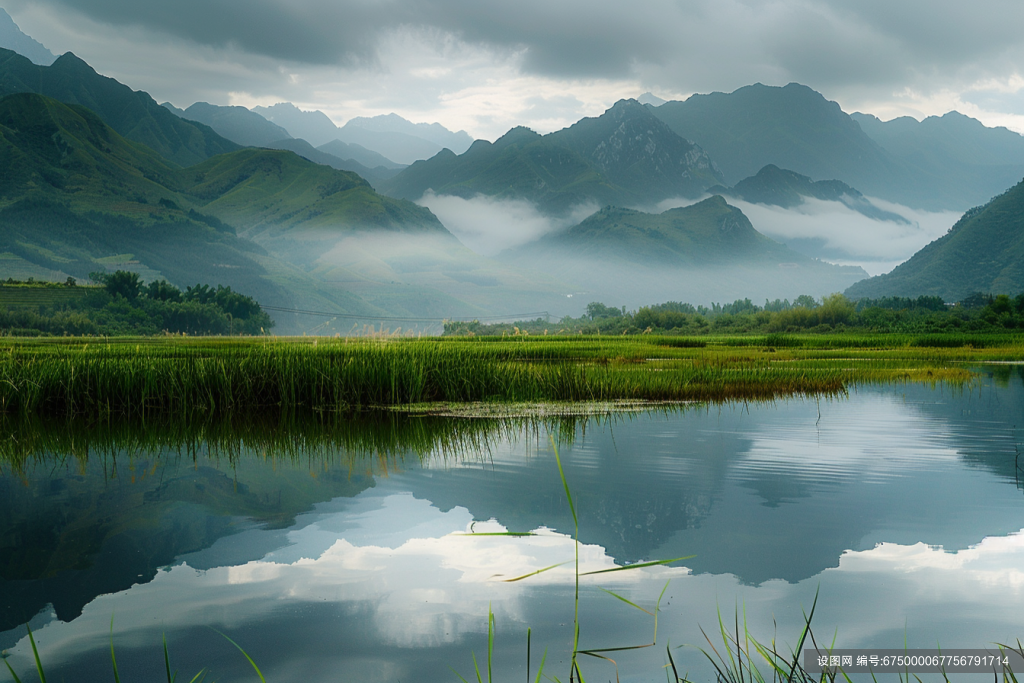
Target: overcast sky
485,66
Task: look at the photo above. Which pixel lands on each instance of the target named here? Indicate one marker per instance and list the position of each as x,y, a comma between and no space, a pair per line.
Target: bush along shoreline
833,313
125,306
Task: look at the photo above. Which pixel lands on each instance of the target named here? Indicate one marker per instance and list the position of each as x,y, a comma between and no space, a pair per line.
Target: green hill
776,186
262,190
983,252
625,156
133,114
699,253
318,155
79,198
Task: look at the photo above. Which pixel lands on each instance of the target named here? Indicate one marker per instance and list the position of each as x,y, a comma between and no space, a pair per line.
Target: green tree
805,301
162,290
123,283
597,310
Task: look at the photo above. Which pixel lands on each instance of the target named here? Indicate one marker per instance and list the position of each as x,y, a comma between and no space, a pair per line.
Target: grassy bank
218,378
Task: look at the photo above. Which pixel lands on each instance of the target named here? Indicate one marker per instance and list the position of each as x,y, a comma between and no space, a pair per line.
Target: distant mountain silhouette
400,141
12,38
367,157
434,132
248,128
315,127
958,156
982,252
946,164
402,148
792,127
237,124
625,156
133,114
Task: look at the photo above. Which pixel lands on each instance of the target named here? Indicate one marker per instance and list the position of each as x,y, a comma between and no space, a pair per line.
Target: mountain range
99,176
626,156
400,141
133,114
796,128
957,156
238,124
78,197
12,38
249,129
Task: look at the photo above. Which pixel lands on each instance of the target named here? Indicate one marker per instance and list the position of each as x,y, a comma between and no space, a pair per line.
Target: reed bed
314,439
218,378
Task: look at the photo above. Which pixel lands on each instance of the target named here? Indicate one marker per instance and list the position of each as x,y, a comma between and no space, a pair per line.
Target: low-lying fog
833,232
488,225
826,230
406,275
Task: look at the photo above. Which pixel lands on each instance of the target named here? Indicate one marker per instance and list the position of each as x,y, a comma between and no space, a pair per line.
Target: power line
351,316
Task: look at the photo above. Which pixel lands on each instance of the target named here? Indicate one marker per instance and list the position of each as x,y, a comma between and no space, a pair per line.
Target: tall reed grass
218,378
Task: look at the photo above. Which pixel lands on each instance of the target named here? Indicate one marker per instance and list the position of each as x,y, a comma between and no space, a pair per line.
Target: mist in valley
501,260
834,232
489,225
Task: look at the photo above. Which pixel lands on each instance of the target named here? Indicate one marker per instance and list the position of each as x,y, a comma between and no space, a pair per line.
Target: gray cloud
815,41
310,31
485,65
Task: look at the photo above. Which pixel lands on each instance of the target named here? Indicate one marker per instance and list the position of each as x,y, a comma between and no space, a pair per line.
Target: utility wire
351,316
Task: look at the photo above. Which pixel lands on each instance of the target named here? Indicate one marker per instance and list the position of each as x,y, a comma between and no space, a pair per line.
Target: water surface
902,508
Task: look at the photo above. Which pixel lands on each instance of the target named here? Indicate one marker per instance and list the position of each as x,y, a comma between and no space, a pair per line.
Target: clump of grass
740,657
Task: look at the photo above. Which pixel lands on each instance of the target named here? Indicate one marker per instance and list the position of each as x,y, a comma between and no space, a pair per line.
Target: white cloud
488,225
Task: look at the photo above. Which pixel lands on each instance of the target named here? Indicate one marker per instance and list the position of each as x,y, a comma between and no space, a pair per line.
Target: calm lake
344,556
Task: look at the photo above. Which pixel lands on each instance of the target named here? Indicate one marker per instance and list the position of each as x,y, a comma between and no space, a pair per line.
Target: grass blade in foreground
113,659
257,669
638,566
35,655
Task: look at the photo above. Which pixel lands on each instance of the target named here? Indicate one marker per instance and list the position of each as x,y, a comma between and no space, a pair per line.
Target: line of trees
978,312
125,305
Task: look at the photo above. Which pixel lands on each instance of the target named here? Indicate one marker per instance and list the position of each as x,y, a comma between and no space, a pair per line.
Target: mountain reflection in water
281,534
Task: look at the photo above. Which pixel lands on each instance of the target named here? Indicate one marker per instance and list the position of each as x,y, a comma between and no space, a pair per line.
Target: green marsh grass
216,378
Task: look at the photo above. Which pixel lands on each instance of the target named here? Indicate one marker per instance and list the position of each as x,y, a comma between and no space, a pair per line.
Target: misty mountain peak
651,99
433,132
315,127
634,146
